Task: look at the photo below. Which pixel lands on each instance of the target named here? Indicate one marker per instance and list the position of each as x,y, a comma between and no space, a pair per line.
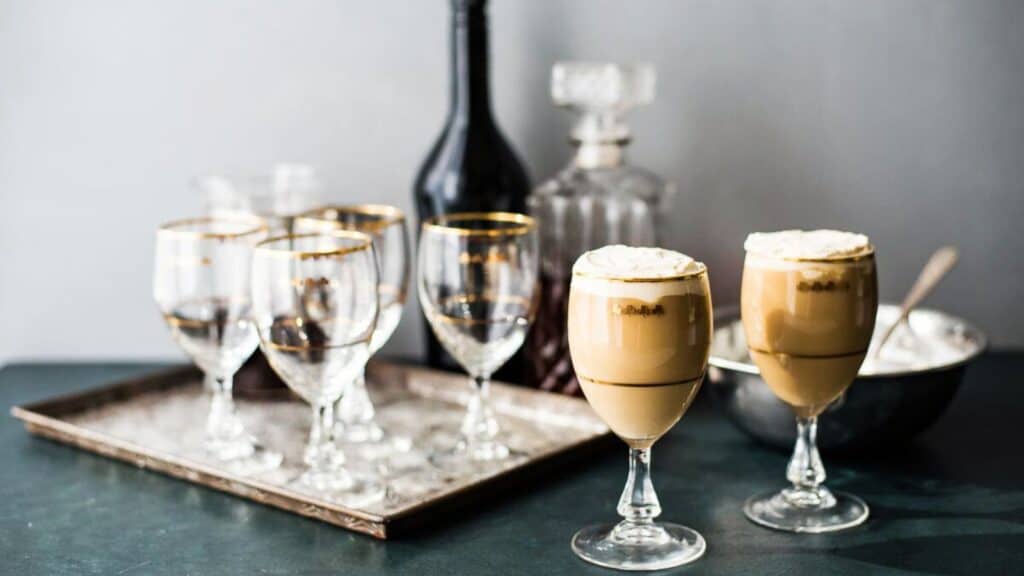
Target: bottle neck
591,155
600,139
471,96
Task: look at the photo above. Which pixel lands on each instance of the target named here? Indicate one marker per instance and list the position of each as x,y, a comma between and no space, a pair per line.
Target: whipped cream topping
807,244
618,262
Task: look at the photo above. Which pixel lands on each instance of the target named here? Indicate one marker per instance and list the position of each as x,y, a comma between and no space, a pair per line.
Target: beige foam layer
755,260
650,291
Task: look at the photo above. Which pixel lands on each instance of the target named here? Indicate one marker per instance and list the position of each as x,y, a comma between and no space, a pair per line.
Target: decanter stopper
601,92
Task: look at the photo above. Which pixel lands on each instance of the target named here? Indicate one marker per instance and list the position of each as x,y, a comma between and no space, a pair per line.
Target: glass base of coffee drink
810,512
644,547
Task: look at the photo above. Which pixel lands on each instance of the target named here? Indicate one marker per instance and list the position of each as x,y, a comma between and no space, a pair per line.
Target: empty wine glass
278,196
386,225
315,305
201,284
477,285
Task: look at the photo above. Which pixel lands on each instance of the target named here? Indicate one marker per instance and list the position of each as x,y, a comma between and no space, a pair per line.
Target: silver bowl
888,403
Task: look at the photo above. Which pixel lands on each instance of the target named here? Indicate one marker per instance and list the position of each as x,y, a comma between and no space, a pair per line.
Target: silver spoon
941,262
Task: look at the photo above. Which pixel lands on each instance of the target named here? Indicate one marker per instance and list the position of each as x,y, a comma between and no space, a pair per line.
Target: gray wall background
900,118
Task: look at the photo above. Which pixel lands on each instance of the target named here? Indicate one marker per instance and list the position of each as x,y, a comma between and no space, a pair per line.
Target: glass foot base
387,457
341,486
358,433
467,457
789,511
638,547
374,447
243,456
482,451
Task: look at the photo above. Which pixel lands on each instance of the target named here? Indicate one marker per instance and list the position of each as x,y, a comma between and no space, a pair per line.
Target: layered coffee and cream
639,335
808,305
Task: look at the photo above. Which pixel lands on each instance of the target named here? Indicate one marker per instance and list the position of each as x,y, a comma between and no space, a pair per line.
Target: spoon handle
941,262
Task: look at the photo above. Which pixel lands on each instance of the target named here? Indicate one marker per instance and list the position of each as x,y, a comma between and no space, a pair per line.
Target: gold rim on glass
175,227
312,348
696,273
448,223
365,243
389,216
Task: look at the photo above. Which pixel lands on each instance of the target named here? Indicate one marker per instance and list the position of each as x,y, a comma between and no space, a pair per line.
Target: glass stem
355,406
639,503
222,424
320,453
805,470
480,425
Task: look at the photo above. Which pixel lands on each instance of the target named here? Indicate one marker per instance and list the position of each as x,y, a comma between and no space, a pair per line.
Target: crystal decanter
598,199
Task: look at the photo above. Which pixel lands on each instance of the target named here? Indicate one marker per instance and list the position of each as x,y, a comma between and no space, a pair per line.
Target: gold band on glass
525,303
397,294
257,225
628,385
695,274
449,224
365,242
485,297
178,322
810,356
311,348
386,215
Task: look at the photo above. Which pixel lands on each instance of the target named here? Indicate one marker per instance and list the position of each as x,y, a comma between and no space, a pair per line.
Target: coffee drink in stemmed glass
640,324
808,304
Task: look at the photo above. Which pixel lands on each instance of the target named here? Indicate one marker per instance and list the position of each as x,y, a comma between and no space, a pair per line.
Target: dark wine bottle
471,167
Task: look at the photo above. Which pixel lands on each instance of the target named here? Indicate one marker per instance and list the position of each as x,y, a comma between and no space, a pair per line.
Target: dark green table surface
950,503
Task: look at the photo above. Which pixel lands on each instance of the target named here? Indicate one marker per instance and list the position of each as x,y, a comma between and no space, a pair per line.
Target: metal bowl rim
728,315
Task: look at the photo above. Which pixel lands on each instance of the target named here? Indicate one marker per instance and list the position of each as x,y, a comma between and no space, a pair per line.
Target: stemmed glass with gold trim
386,226
201,284
315,304
477,286
639,341
808,323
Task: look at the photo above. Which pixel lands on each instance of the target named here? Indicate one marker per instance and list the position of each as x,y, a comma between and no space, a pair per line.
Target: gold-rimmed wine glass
477,286
315,305
386,225
201,283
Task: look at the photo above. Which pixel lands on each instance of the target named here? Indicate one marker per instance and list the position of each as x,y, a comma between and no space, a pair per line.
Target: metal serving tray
156,422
